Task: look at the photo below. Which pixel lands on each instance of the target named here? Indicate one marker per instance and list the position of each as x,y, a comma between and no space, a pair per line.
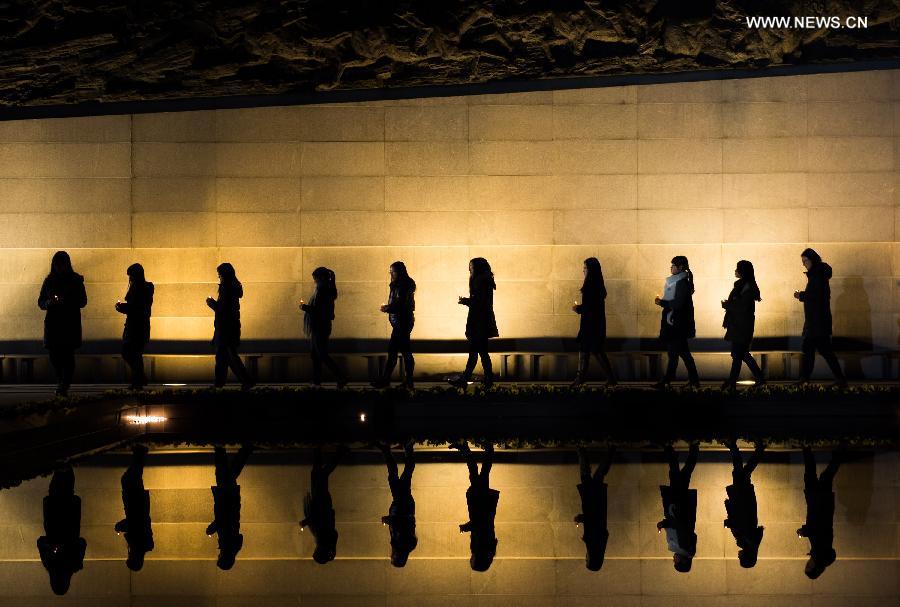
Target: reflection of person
62,296
318,510
741,505
136,308
400,308
819,527
680,509
676,324
227,323
401,518
593,493
816,300
740,319
227,505
317,320
482,503
136,525
481,324
592,327
62,547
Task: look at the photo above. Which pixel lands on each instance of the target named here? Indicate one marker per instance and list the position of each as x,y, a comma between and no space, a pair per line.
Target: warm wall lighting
143,420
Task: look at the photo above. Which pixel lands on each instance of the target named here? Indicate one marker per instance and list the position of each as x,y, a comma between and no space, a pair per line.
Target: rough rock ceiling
72,51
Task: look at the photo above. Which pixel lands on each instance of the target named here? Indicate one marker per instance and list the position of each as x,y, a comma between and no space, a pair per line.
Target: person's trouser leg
685,353
472,360
393,348
737,355
607,367
827,352
672,360
486,361
754,368
221,365
809,358
316,360
237,365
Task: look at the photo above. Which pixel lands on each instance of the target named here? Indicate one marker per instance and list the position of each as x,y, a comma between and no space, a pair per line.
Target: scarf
669,291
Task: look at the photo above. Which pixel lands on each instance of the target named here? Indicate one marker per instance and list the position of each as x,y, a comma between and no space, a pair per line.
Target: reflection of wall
718,170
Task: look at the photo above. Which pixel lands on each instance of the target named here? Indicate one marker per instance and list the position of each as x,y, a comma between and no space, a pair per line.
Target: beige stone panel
745,120
679,227
426,123
342,228
764,190
185,300
258,124
606,121
427,158
97,265
618,578
258,229
65,160
511,157
526,98
871,578
257,194
679,191
772,155
516,577
507,228
505,123
654,260
24,327
340,123
184,328
19,195
596,95
82,129
848,154
430,194
707,577
352,264
257,159
173,194
856,259
517,262
851,189
175,127
504,192
856,224
166,578
680,156
595,227
65,230
174,229
415,101
433,228
20,300
779,88
174,159
369,577
343,158
193,264
265,264
772,225
849,86
768,577
857,294
617,261
679,120
709,91
597,157
445,576
596,191
850,119
342,193
523,298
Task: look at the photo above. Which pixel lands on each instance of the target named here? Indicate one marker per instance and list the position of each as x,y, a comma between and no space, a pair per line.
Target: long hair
325,281
402,275
229,278
481,266
593,280
745,271
61,264
811,255
682,262
136,273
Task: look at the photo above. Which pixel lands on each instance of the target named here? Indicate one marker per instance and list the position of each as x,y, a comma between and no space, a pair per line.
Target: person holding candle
400,308
136,308
592,328
481,324
677,321
227,323
62,296
317,318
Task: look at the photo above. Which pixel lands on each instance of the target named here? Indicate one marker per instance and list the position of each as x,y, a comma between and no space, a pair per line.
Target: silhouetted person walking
318,509
481,325
677,322
680,509
227,505
593,491
482,503
740,319
62,296
136,500
319,313
819,527
62,547
400,308
401,518
136,308
816,300
592,329
227,336
741,505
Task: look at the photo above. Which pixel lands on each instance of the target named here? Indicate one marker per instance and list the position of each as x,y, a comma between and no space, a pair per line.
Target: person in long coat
136,308
136,525
61,547
226,523
592,327
400,308
227,323
739,323
317,319
594,501
401,518
676,324
680,509
817,328
481,324
62,296
741,506
819,526
482,504
318,508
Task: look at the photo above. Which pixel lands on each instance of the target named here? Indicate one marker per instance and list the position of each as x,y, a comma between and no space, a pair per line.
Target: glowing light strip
142,420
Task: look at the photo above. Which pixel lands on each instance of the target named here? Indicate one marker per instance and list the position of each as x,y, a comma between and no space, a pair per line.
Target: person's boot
582,371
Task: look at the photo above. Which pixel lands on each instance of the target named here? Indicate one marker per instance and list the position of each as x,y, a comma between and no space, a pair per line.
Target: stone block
746,120
595,95
848,154
519,263
174,578
430,193
850,224
258,159
617,261
850,119
37,195
511,157
444,576
83,129
595,157
342,228
680,156
258,229
340,123
653,261
173,229
616,578
687,226
707,577
506,192
65,160
342,193
65,230
607,121
353,264
514,576
184,299
427,158
708,91
194,264
595,227
769,155
764,89
679,120
266,264
174,127
766,190
174,159
511,123
865,578
680,191
851,189
768,577
505,228
426,123
257,194
596,191
342,158
173,194
258,124
773,225
869,85
369,577
526,98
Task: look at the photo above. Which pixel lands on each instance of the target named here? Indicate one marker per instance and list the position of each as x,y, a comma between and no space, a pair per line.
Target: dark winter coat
682,308
62,548
319,313
481,323
228,315
593,515
742,515
817,301
62,324
226,512
740,313
819,527
136,308
683,517
401,304
592,328
137,525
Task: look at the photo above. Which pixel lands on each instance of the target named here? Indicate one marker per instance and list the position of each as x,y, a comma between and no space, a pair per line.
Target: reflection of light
174,385
747,382
145,419
362,417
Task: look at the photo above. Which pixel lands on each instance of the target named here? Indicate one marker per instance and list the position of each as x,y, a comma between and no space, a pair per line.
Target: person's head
682,563
135,273
400,551
228,550
744,271
479,266
817,563
60,580
325,280
810,258
135,560
398,272
324,554
226,273
483,552
593,559
679,264
61,263
747,557
592,270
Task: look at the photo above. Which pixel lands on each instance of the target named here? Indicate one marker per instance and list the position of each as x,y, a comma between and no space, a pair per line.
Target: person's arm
465,527
44,297
81,295
212,528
